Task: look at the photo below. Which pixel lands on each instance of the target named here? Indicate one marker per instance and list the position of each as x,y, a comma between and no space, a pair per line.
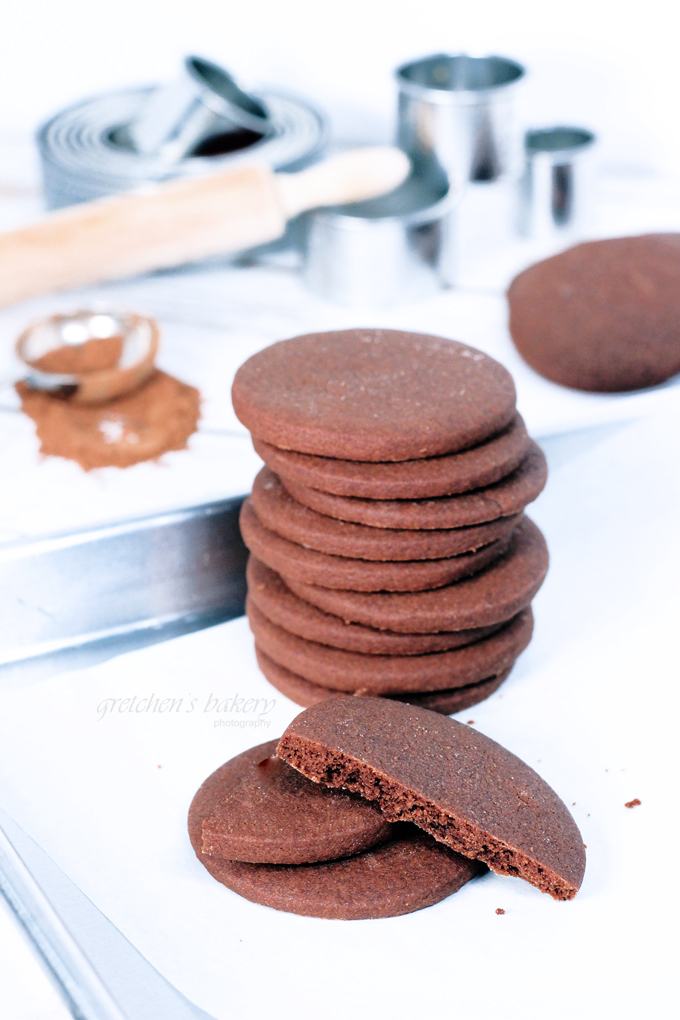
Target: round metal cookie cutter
203,103
554,189
126,342
456,111
384,251
87,152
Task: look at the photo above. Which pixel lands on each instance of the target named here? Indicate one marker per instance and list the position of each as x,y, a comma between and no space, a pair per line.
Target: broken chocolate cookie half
372,808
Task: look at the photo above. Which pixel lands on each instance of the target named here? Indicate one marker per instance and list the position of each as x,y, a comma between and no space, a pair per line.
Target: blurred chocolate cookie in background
603,316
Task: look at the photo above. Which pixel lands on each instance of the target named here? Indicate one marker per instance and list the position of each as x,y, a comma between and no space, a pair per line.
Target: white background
608,64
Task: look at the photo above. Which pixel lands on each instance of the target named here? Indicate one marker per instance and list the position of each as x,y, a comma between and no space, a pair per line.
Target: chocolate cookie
603,316
407,873
457,784
313,567
409,479
279,512
305,693
269,592
496,594
256,808
506,497
457,699
392,674
373,395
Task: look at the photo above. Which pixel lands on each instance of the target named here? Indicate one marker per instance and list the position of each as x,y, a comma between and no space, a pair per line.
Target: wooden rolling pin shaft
183,221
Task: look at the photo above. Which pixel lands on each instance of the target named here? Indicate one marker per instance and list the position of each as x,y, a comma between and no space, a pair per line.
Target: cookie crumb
471,722
499,910
159,766
633,803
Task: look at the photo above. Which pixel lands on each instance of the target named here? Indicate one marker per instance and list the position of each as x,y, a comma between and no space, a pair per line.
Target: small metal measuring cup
122,347
387,250
456,111
553,191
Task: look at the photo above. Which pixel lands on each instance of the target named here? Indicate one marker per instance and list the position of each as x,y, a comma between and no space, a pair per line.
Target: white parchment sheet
591,705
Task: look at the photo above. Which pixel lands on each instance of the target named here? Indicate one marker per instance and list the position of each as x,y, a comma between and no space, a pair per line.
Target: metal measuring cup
553,190
456,111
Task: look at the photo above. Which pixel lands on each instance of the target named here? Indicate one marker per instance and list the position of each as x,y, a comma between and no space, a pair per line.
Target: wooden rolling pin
183,221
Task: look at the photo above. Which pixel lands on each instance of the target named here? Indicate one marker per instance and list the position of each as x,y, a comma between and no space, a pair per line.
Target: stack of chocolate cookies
389,551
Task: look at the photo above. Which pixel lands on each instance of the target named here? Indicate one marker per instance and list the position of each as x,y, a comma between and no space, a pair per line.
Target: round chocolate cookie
256,808
458,698
603,316
409,479
279,512
391,674
506,497
270,593
407,873
454,782
314,567
373,395
496,594
304,692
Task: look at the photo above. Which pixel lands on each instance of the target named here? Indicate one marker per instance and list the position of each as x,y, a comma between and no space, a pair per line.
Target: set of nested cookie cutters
198,124
456,121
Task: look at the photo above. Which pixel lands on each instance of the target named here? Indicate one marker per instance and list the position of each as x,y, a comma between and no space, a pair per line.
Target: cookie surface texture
314,567
272,596
407,873
305,693
506,497
278,511
373,395
410,479
256,808
457,784
492,596
603,316
392,674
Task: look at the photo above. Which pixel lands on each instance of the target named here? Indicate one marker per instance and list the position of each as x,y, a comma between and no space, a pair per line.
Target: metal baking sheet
174,571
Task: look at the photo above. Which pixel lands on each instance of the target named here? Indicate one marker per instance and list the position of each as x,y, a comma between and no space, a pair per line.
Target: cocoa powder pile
143,425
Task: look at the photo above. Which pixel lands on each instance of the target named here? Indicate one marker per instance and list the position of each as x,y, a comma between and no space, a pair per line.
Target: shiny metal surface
179,570
86,150
82,989
203,102
456,112
554,190
100,975
384,251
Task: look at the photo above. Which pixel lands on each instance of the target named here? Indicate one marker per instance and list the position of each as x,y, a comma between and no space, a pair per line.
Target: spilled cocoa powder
157,418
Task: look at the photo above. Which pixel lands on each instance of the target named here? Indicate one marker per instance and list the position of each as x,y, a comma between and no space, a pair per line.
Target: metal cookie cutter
553,192
203,103
456,111
122,141
384,251
126,344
